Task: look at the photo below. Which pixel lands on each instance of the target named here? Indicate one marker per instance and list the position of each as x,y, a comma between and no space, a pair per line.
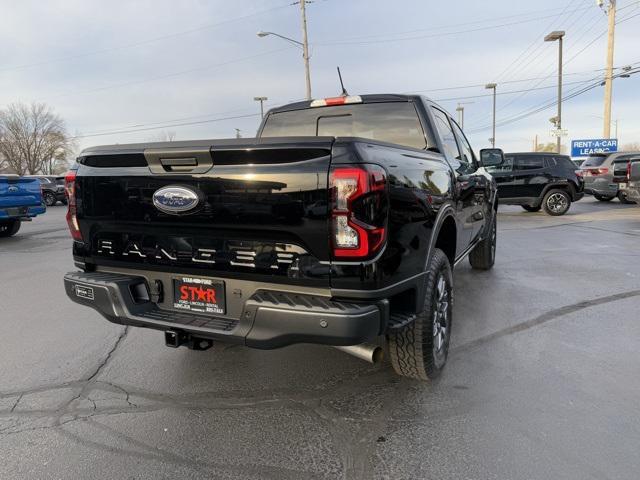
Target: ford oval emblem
175,200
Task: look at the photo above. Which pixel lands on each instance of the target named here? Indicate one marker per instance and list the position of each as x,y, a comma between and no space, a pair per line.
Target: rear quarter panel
419,187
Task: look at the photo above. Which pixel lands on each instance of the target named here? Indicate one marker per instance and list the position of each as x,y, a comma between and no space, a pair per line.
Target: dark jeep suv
538,180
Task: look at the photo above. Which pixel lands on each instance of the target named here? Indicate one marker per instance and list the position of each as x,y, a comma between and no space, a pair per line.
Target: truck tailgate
261,208
634,173
19,192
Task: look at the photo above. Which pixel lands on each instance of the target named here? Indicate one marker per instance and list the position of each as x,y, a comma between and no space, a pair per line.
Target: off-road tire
412,348
49,199
549,201
602,198
532,209
10,228
483,255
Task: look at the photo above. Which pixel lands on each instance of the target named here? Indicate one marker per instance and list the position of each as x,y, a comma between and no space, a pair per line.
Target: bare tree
631,147
551,147
164,136
33,139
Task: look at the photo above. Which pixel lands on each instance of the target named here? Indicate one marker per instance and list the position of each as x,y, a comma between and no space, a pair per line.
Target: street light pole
261,100
460,110
552,37
492,86
304,45
305,48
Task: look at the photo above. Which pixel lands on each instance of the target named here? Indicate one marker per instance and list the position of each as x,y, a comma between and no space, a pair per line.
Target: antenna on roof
344,90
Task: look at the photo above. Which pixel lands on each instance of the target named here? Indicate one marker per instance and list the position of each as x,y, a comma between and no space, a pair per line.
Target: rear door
529,176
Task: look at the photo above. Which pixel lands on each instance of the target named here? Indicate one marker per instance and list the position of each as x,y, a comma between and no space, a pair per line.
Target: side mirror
491,157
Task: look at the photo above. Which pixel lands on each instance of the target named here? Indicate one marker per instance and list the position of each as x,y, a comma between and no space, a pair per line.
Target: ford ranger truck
20,200
340,224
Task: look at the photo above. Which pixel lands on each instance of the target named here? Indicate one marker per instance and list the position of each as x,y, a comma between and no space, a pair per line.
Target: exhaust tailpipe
365,351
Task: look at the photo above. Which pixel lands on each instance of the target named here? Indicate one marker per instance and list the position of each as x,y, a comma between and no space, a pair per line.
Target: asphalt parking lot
543,379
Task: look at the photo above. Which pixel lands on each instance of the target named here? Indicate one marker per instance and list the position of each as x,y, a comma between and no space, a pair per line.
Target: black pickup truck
339,224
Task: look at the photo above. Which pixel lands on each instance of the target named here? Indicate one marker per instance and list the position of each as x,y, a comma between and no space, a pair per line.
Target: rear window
393,122
528,162
594,161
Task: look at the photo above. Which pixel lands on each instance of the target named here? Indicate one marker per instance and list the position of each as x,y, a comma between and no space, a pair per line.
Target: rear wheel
483,256
602,198
10,228
49,199
556,202
623,198
420,349
530,208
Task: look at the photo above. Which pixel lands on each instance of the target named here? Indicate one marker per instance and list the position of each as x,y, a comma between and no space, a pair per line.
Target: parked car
52,189
598,173
20,200
538,180
406,200
631,187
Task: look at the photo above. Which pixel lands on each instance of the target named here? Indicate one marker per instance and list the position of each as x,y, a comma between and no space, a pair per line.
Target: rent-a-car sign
584,148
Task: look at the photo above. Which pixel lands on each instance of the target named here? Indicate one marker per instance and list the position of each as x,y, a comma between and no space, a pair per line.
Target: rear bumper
269,319
12,213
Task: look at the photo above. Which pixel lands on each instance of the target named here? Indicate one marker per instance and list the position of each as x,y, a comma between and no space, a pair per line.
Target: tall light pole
460,110
552,37
304,44
492,86
608,85
261,100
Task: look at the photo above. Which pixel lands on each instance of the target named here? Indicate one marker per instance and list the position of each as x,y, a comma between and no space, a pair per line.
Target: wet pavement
542,382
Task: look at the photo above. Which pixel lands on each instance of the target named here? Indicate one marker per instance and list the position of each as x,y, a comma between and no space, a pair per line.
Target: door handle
179,164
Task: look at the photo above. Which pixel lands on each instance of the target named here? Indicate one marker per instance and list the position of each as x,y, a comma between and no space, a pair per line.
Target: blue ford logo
175,200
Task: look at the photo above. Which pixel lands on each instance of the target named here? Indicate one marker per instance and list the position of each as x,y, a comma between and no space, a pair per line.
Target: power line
491,27
142,42
444,27
543,107
170,75
535,43
116,132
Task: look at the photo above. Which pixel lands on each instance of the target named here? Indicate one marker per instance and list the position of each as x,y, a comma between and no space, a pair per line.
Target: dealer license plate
202,295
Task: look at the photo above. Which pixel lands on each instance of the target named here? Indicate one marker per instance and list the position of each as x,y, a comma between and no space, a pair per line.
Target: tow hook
177,338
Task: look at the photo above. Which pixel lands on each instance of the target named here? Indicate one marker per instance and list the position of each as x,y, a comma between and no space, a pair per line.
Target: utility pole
493,86
608,85
305,47
261,100
535,143
552,37
238,133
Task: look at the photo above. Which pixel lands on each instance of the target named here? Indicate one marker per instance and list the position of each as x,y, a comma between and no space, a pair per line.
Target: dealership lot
542,381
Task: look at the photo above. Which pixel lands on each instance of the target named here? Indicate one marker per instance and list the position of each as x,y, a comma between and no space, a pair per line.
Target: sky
128,71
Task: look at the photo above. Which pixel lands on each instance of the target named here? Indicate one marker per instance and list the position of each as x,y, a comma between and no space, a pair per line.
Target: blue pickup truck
20,199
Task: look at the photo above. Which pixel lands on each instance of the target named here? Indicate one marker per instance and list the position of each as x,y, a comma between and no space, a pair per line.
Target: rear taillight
70,191
628,171
578,173
595,171
359,206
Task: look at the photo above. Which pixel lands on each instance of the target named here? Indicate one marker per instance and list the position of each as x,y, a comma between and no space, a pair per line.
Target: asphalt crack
544,318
